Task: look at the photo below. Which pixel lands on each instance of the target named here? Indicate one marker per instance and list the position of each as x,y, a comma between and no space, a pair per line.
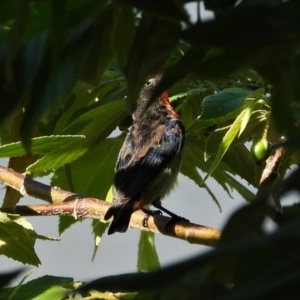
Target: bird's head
145,95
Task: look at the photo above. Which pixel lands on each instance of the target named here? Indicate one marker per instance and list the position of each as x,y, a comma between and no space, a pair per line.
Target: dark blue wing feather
136,166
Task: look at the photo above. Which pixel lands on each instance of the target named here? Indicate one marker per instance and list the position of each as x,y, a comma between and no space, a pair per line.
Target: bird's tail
121,217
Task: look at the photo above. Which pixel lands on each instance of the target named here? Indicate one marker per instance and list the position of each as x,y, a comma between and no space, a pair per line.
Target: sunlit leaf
40,145
46,287
227,140
17,239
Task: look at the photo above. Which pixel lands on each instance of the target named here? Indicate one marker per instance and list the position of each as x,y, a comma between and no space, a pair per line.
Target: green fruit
260,151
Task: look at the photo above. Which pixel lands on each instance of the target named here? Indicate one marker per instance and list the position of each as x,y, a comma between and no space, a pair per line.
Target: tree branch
270,172
64,203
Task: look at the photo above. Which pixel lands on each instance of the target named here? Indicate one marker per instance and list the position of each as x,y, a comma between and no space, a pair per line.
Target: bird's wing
138,163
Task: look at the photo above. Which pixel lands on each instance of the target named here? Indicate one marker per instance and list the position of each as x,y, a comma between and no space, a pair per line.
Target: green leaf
241,163
40,145
99,226
65,222
154,41
19,74
246,117
99,52
193,159
57,27
213,142
230,135
255,127
190,92
80,99
98,169
178,71
98,120
46,287
110,89
147,256
223,105
186,113
17,239
15,290
240,188
57,158
96,125
123,33
49,92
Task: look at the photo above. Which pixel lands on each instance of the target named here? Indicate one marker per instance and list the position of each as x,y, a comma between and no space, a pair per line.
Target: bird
149,160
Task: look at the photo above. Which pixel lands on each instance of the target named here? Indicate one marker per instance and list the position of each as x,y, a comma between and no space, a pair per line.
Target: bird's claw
174,220
149,213
156,212
145,220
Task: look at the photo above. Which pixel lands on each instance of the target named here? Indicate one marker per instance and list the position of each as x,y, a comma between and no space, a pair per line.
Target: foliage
70,71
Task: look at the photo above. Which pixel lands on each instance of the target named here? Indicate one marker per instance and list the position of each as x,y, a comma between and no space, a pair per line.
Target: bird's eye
148,82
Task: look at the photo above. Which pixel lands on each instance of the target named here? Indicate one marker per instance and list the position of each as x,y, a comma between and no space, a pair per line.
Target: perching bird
149,160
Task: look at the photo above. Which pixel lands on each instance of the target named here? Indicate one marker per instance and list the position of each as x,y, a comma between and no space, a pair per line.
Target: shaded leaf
98,167
272,26
246,193
96,125
99,52
179,70
171,9
213,142
123,34
48,93
193,159
110,89
186,114
207,275
240,162
218,106
154,41
147,255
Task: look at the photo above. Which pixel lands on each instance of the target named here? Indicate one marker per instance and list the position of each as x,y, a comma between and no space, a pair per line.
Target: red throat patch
164,98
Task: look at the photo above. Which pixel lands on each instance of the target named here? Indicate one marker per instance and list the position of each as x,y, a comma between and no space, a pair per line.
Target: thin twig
64,203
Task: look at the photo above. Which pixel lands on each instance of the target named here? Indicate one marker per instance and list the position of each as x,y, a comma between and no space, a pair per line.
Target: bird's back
148,162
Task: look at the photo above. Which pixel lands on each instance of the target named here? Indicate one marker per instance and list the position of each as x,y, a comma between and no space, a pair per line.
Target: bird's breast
163,183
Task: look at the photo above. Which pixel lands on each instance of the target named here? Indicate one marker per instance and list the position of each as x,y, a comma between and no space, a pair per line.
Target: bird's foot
148,214
175,219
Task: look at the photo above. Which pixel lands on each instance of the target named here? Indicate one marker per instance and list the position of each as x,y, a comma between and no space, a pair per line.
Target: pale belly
162,184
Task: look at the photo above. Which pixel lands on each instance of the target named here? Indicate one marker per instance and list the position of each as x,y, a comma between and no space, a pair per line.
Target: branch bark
64,203
270,172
